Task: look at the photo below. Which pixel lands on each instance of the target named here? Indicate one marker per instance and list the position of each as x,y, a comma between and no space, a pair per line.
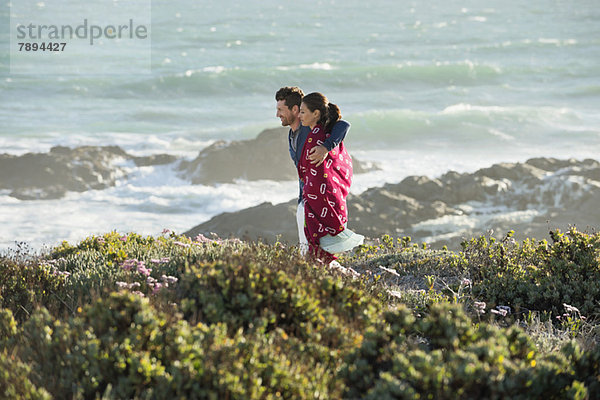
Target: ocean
427,86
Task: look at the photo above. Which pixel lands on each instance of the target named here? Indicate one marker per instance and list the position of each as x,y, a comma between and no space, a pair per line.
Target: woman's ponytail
333,115
329,112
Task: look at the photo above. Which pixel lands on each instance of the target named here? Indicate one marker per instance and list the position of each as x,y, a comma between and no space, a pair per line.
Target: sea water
427,86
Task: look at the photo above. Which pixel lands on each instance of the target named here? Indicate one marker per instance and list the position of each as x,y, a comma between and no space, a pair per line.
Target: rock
550,164
48,193
523,197
266,157
421,188
155,159
43,176
512,171
265,222
462,188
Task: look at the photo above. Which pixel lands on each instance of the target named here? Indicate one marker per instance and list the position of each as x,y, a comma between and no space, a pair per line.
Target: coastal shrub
14,380
263,290
251,295
407,273
140,317
101,263
536,275
585,366
445,356
405,264
8,327
14,374
27,283
122,348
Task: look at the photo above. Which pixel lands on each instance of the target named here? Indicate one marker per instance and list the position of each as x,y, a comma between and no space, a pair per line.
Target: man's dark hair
291,94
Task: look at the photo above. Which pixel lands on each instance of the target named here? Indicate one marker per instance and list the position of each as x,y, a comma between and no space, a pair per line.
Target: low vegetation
126,316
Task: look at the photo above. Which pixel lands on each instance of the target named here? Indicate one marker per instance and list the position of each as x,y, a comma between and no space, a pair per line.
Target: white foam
152,198
313,66
478,19
480,218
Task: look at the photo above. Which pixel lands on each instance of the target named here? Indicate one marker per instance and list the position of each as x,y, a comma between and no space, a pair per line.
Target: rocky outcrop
531,198
43,176
266,157
266,222
40,176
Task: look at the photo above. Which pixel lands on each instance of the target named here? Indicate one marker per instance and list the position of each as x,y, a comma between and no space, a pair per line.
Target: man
288,100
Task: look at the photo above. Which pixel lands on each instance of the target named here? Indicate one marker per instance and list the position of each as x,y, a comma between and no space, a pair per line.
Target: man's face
287,116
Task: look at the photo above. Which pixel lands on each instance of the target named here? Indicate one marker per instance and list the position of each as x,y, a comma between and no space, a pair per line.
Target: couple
324,169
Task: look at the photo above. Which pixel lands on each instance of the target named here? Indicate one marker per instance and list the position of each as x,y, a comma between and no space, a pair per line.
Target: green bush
8,327
14,380
537,275
26,284
252,295
126,316
446,356
121,347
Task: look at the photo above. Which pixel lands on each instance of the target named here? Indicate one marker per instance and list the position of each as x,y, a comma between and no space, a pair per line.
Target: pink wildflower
123,238
168,279
202,239
570,308
128,265
141,269
157,288
166,231
163,260
181,244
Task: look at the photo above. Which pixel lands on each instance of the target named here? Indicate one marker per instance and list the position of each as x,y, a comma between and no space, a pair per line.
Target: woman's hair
330,113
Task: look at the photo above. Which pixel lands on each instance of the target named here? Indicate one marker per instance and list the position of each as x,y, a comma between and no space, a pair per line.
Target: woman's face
307,117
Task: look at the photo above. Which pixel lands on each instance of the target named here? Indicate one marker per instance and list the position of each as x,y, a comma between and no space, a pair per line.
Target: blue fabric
338,133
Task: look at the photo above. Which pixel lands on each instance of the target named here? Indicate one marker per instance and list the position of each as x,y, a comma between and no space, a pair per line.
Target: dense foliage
126,316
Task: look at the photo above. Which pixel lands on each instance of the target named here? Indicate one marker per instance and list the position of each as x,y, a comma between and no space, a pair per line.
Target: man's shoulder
301,129
342,123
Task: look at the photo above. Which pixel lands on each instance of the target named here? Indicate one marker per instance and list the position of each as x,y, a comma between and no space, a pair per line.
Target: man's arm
338,133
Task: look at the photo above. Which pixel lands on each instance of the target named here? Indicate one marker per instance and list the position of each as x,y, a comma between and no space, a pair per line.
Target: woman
325,186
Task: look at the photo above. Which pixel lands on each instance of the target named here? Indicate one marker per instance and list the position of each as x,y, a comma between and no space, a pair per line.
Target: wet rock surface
531,198
265,157
51,175
45,176
264,222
